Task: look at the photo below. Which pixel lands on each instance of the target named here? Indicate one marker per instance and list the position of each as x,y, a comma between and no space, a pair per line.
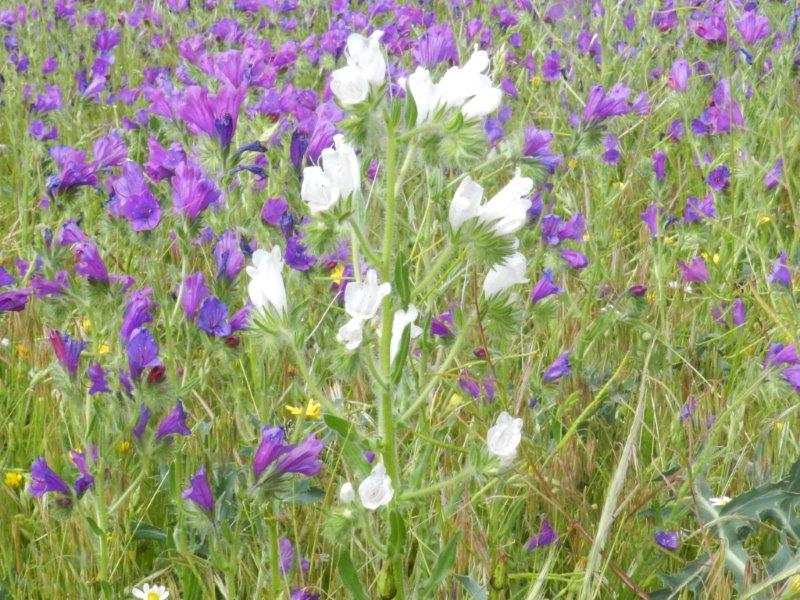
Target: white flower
346,493
402,319
486,101
340,166
719,501
504,436
466,203
361,301
376,490
318,191
266,282
366,56
508,209
5,342
459,84
349,86
424,92
151,592
502,276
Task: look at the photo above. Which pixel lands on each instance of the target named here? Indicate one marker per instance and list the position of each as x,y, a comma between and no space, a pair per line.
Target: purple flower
193,292
441,324
214,115
109,151
199,491
50,287
86,479
695,271
780,271
6,278
668,540
228,255
738,312
544,287
696,209
536,146
659,164
269,449
162,163
68,350
718,178
468,385
173,423
675,130
301,594
302,458
273,210
544,537
286,555
45,480
559,368
436,45
551,67
137,312
192,190
753,27
70,234
132,199
296,255
712,28
74,170
780,354
89,263
792,376
142,351
688,409
555,230
97,376
241,318
679,75
601,105
213,317
141,421
611,155
39,131
14,300
650,218
773,177
576,260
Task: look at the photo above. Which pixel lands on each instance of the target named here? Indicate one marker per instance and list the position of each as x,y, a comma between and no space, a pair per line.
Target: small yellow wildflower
337,274
651,297
536,81
764,219
669,240
572,163
586,237
617,233
313,410
87,325
199,353
793,586
704,255
715,259
22,350
779,425
124,446
13,479
455,401
103,348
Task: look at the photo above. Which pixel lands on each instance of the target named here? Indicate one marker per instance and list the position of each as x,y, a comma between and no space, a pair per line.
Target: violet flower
193,292
45,480
544,287
199,491
559,368
780,271
174,423
695,271
668,540
142,351
98,379
544,537
68,350
213,317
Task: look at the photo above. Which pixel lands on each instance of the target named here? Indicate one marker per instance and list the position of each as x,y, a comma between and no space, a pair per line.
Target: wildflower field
399,299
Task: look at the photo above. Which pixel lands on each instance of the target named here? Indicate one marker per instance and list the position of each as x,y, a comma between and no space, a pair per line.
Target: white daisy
151,592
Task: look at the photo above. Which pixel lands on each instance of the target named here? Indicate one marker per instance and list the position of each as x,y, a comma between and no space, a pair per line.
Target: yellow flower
313,410
103,348
13,479
586,237
572,163
617,233
715,259
337,274
87,325
124,446
764,219
22,350
455,400
669,240
651,297
536,81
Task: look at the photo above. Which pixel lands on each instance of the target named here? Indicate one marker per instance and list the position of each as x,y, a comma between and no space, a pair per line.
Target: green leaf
397,534
400,359
441,568
411,111
145,531
472,587
401,279
350,440
349,577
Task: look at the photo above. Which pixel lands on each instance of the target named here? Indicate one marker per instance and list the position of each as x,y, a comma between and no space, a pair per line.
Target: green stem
274,556
311,384
436,268
437,487
363,244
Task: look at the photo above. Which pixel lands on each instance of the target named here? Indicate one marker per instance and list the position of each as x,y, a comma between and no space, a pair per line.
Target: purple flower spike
286,555
193,292
68,350
753,27
576,260
301,594
45,480
302,459
544,537
228,254
213,317
650,218
89,263
468,385
142,351
695,271
192,190
792,376
602,105
544,287
174,423
269,449
559,368
696,209
738,312
199,491
536,146
50,287
132,199
137,312
718,178
780,354
296,255
780,271
86,479
440,325
773,177
659,164
668,540
98,379
273,210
